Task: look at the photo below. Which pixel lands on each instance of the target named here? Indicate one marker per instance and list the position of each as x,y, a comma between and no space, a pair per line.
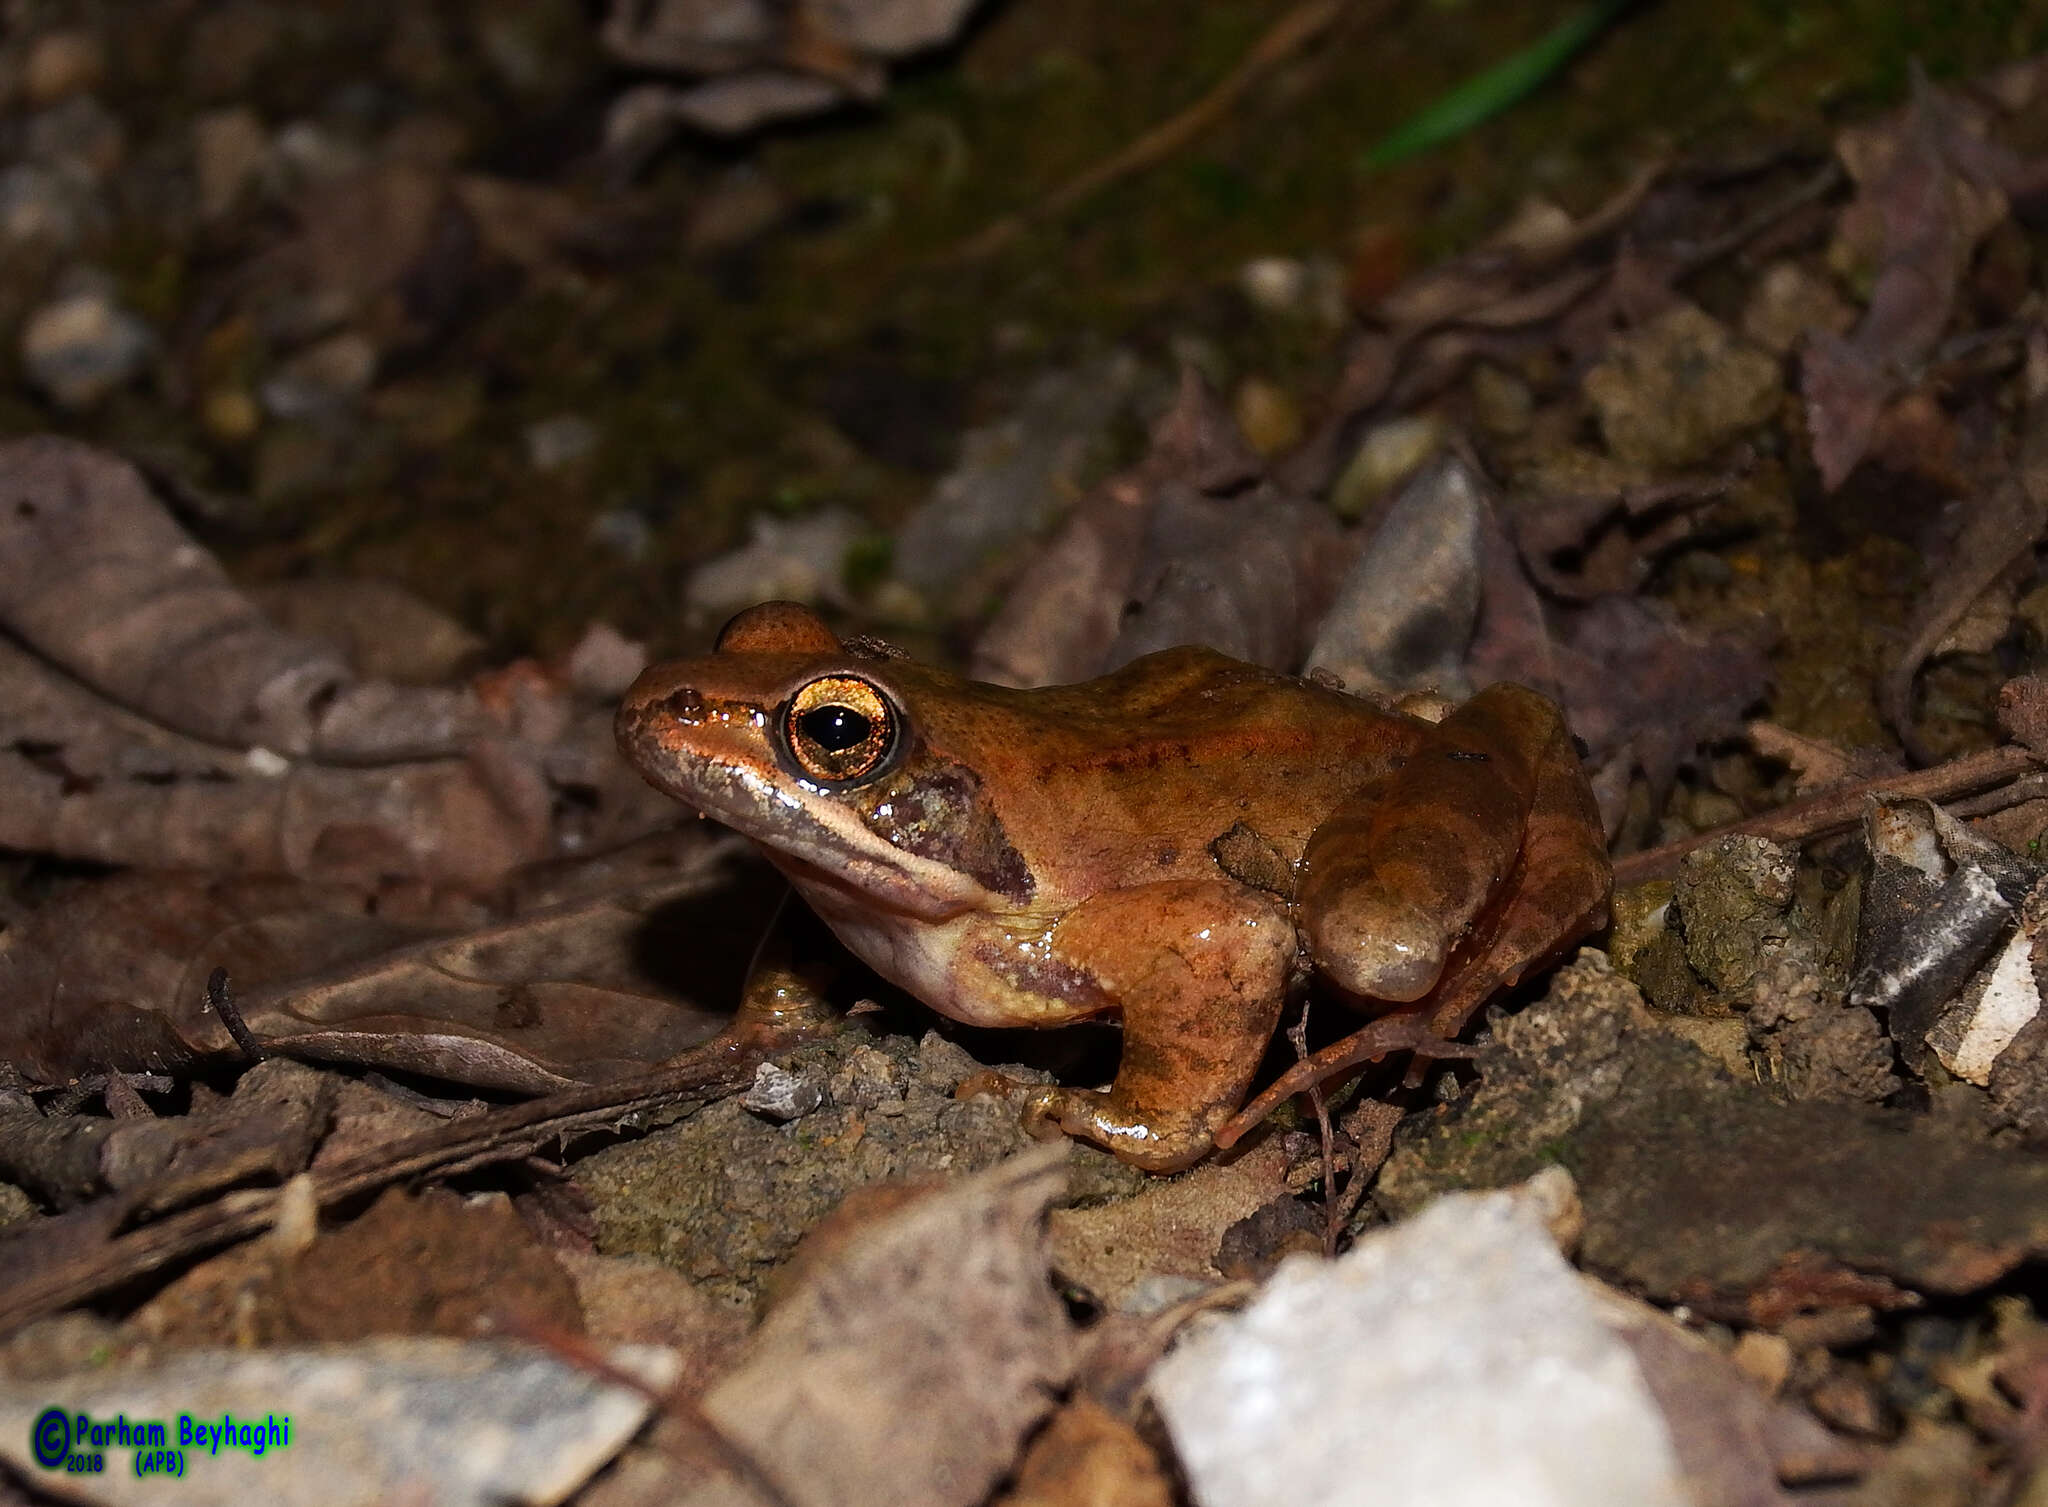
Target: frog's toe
1380,948
1091,1115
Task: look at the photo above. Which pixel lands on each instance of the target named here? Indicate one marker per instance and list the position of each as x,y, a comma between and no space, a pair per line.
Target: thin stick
1289,35
1837,809
501,1135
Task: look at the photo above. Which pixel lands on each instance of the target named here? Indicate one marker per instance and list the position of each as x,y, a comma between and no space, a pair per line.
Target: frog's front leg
1200,970
787,995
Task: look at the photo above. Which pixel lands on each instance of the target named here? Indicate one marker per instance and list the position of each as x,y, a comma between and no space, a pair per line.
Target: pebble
311,154
230,150
39,204
323,378
1386,456
559,441
79,348
60,64
78,136
1294,288
624,532
230,414
1267,414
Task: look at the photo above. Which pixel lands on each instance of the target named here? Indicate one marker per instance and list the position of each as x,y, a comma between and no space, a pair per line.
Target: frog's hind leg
1395,877
1555,893
1200,970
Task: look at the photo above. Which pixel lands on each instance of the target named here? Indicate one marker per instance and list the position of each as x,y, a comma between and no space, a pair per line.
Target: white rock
1453,1361
1985,1017
81,347
778,1094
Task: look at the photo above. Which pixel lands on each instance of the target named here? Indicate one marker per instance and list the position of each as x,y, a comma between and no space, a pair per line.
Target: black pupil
834,728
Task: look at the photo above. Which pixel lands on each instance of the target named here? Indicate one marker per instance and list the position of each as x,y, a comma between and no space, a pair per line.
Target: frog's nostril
685,705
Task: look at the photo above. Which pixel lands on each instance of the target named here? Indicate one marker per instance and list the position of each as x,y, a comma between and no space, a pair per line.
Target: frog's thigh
1558,895
1199,968
1393,878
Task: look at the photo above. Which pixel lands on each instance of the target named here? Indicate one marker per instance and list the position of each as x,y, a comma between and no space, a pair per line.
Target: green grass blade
1487,94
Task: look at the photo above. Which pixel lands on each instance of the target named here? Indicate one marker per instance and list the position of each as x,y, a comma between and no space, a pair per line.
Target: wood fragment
501,1135
1292,32
1837,809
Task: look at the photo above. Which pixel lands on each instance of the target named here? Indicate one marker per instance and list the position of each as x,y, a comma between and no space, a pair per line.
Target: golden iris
839,728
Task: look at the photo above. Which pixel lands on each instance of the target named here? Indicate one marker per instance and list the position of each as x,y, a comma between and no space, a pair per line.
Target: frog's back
1138,772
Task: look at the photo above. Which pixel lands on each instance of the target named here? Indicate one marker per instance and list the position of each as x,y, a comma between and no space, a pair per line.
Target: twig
502,1135
1297,1035
231,1014
1289,35
1837,809
1814,189
2029,787
1371,1128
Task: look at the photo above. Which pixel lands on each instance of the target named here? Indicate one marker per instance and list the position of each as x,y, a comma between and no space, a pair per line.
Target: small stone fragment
60,64
1765,1359
560,441
1734,904
1680,389
1386,457
1787,303
322,379
1268,415
79,349
870,1079
778,1094
1806,1039
230,150
1850,1403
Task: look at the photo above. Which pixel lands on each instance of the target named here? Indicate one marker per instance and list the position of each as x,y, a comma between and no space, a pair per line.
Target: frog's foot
1157,1142
1409,1031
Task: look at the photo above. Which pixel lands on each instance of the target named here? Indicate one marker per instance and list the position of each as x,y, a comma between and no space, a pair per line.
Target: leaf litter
1788,1135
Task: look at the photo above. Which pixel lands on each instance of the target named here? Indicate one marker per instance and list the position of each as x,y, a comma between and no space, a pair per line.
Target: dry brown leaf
907,1372
115,976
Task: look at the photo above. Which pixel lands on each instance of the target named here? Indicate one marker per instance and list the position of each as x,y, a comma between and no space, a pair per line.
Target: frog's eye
839,729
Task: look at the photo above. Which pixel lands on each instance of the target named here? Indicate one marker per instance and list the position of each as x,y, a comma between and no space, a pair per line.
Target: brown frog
1177,843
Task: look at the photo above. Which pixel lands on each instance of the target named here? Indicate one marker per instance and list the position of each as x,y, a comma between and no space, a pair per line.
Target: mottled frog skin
1176,844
